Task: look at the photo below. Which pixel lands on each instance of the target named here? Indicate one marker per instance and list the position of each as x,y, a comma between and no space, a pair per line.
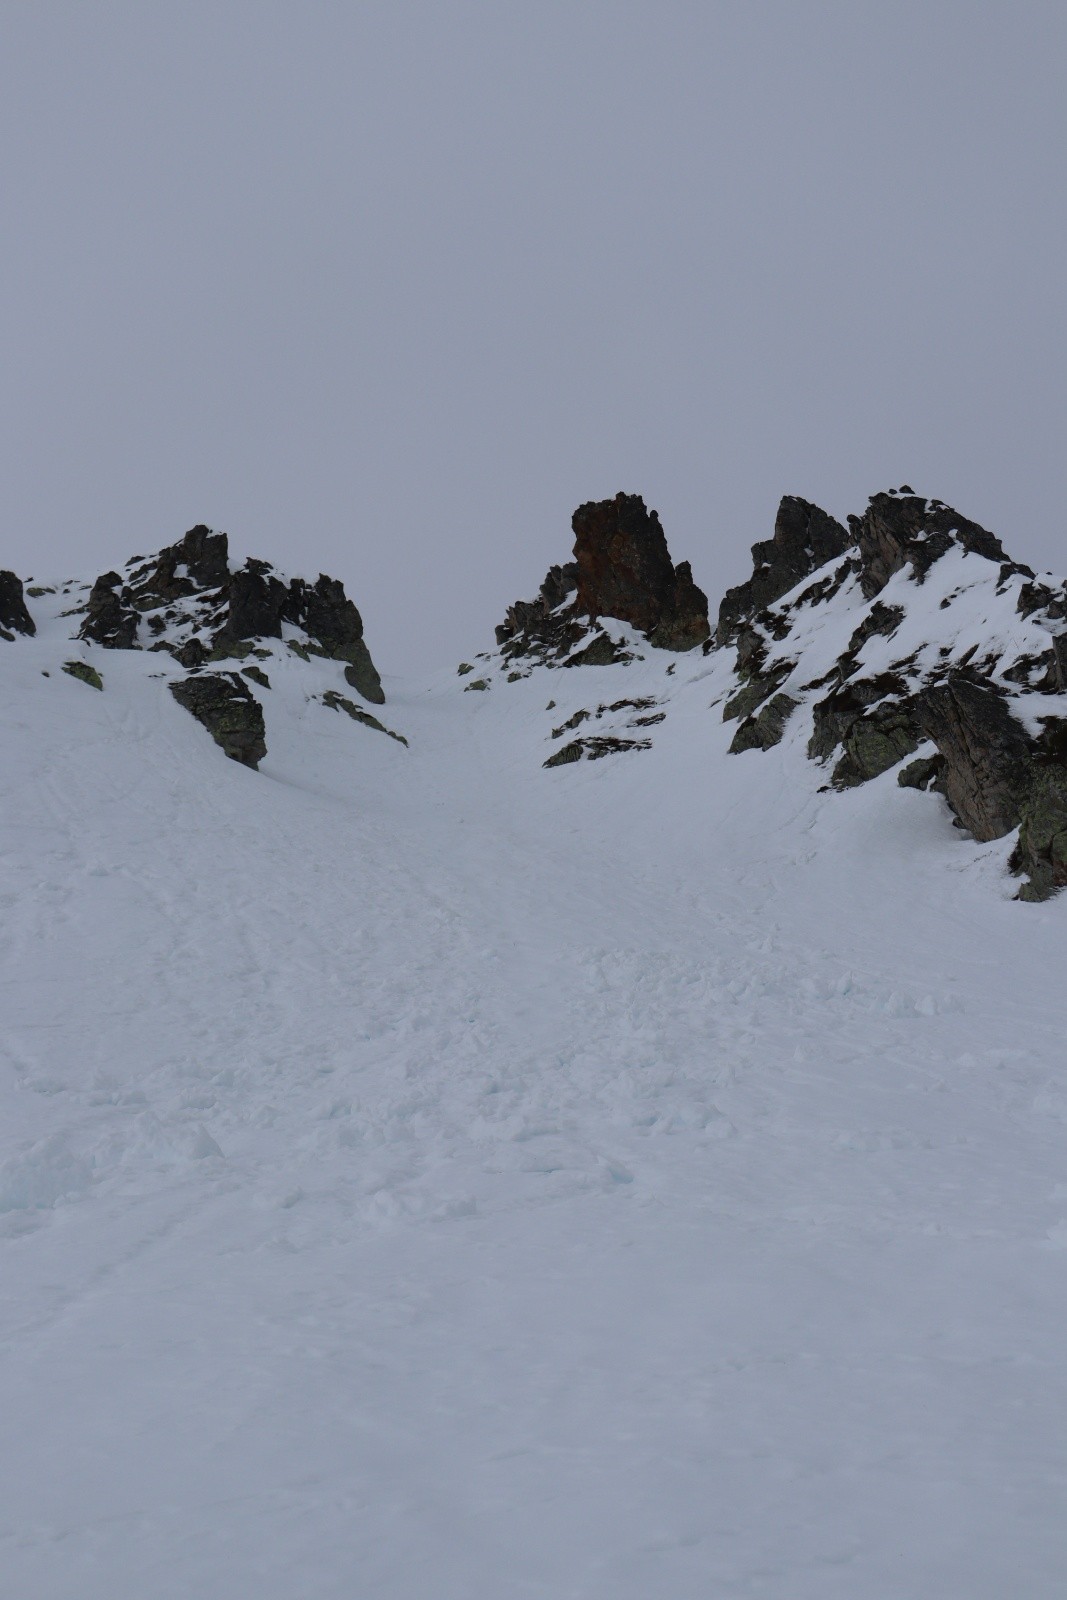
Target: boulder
14,615
223,703
111,619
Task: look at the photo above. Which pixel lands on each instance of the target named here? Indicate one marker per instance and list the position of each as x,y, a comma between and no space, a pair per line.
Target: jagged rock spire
621,569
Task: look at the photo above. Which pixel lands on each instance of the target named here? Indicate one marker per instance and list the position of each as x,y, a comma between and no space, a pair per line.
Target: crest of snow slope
430,1175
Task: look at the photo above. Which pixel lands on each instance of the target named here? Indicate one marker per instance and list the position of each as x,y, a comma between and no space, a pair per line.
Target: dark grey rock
895,532
594,748
14,614
339,702
986,754
223,703
805,538
765,730
112,619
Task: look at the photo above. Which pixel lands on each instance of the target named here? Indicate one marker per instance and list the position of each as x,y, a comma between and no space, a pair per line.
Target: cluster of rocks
621,569
186,601
967,680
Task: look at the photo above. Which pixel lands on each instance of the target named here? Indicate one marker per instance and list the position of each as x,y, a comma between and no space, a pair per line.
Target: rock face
223,703
625,571
953,653
985,753
900,530
14,616
622,569
805,539
188,602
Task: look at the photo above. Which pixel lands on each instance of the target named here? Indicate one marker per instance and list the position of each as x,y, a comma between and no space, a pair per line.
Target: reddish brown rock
625,571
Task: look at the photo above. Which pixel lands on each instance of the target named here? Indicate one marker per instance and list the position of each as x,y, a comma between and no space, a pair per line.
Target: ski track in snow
428,1176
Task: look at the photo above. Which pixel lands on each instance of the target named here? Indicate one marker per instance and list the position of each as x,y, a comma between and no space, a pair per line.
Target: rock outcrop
14,614
805,538
223,703
186,600
625,571
901,529
950,646
621,570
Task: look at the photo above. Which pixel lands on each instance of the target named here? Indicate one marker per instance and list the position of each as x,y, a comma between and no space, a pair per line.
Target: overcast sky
387,289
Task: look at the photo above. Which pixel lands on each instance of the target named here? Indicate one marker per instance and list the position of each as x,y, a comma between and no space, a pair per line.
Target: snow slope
431,1177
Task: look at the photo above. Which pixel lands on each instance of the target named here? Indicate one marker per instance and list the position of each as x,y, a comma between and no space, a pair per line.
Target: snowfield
426,1176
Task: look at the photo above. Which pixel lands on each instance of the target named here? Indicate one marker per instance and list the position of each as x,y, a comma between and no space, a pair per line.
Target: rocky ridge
916,644
906,640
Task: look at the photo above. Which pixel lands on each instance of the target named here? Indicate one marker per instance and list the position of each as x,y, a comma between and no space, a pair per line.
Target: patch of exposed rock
899,530
621,570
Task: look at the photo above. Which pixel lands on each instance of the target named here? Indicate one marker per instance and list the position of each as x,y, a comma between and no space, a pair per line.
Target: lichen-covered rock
84,673
805,538
362,674
925,773
875,741
223,703
834,715
601,651
14,613
1041,851
755,689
